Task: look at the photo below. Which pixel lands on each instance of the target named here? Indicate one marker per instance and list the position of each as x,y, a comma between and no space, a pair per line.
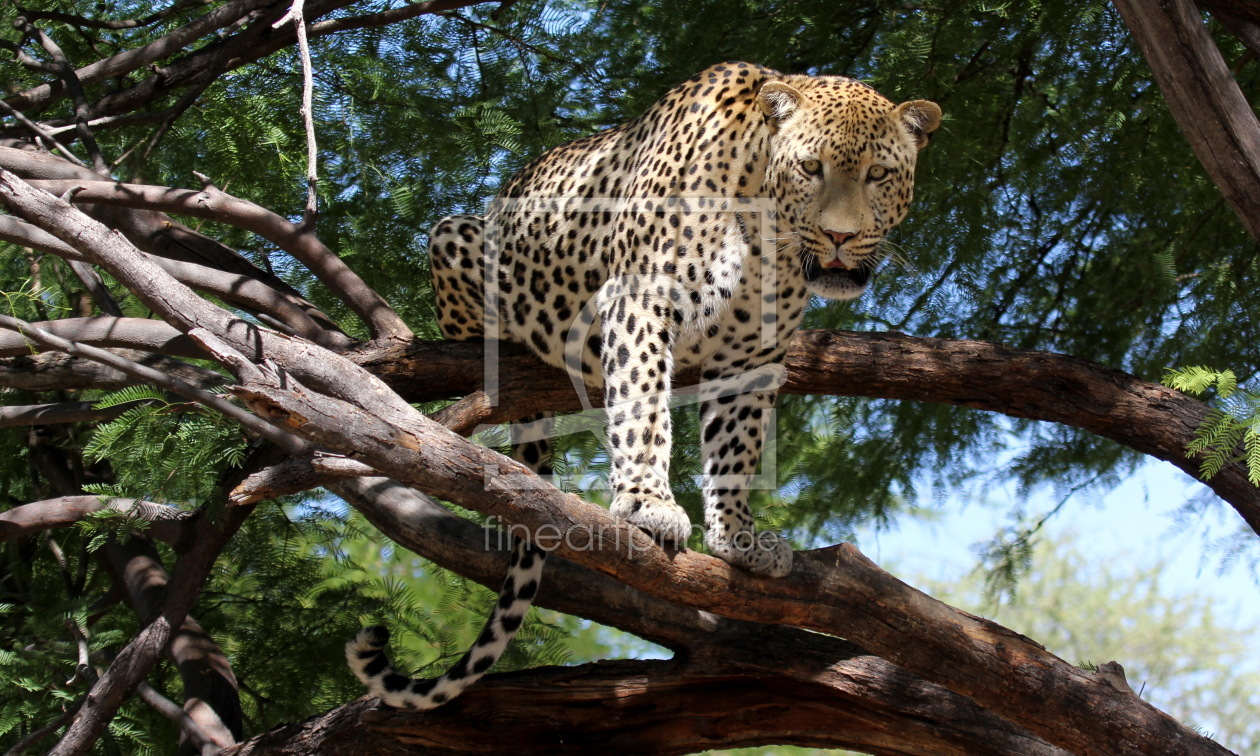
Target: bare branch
1203,97
63,412
56,371
47,339
307,110
211,693
212,203
162,521
133,60
42,133
91,281
75,87
284,313
136,659
163,236
102,331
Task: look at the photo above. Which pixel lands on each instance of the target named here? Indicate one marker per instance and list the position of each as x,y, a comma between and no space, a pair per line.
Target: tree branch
63,412
1203,97
132,60
56,371
161,235
835,591
162,521
213,204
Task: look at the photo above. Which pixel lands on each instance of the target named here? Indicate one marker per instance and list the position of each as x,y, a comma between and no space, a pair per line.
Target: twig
308,113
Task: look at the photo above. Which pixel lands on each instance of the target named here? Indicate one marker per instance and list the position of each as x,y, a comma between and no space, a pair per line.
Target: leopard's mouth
835,278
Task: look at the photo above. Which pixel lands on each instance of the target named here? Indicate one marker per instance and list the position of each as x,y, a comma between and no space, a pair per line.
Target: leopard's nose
840,237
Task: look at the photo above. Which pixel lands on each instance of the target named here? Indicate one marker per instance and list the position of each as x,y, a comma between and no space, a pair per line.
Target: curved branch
212,203
163,236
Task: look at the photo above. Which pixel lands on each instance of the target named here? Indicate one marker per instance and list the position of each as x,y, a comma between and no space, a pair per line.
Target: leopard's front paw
761,552
661,518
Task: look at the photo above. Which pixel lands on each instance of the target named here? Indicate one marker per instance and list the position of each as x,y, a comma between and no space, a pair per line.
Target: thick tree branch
146,374
1145,416
1203,97
211,698
136,659
835,591
661,708
55,371
106,332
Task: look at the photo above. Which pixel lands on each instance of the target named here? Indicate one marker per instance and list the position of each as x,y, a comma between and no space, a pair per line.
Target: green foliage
162,451
1231,430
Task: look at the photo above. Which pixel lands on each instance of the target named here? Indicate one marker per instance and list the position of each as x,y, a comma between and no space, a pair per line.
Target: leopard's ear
921,117
778,101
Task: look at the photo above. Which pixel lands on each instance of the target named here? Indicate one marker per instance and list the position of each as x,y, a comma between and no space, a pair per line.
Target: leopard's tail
366,653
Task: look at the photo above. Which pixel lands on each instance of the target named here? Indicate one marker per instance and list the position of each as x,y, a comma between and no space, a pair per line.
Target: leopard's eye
877,173
812,167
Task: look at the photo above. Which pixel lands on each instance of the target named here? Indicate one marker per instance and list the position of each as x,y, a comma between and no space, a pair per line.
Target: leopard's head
841,174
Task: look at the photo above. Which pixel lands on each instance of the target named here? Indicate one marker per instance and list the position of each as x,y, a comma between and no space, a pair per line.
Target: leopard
690,238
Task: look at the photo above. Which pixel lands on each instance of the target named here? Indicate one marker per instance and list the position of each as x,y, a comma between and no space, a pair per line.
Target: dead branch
212,203
162,521
63,412
163,236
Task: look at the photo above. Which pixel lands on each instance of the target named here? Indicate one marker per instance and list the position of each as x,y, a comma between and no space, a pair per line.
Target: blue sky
1136,521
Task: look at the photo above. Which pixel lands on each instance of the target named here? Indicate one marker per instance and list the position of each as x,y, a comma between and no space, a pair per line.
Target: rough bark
1203,97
